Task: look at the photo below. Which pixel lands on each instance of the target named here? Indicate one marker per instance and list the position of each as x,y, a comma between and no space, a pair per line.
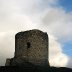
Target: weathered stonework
30,46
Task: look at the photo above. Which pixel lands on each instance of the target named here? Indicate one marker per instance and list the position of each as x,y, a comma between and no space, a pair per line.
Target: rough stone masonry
30,47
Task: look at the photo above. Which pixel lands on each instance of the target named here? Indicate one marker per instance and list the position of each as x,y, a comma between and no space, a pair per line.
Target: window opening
28,45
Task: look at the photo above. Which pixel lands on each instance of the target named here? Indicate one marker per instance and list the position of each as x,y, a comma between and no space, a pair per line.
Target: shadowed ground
33,68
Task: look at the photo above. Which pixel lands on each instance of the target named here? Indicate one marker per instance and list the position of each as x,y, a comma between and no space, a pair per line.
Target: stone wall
31,46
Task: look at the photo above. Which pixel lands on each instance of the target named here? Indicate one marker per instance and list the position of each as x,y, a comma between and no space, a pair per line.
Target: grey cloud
59,23
69,64
6,46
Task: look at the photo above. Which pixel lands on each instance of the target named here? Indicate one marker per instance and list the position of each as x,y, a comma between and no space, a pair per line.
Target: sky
67,6
51,16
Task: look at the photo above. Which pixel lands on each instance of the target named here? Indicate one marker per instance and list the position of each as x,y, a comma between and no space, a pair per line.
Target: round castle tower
31,46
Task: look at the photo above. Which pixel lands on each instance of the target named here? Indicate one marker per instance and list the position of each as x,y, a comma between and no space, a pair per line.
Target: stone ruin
30,47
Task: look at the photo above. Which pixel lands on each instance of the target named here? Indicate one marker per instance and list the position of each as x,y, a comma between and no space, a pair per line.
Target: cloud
21,15
56,57
59,22
17,13
69,64
6,46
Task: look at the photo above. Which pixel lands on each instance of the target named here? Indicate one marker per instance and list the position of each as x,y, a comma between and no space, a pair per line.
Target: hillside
33,68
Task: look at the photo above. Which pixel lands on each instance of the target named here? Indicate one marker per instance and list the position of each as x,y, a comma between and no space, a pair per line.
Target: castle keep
30,47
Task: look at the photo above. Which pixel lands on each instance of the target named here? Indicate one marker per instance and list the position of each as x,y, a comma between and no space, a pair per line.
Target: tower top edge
33,30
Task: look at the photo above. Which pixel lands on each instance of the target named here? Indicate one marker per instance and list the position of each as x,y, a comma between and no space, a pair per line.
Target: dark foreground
33,69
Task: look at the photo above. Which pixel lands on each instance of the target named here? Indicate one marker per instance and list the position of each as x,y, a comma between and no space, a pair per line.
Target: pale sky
51,16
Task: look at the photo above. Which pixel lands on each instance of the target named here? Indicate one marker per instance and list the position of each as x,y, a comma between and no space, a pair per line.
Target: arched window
28,45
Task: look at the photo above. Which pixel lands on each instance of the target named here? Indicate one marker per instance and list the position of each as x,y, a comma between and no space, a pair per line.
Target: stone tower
32,47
